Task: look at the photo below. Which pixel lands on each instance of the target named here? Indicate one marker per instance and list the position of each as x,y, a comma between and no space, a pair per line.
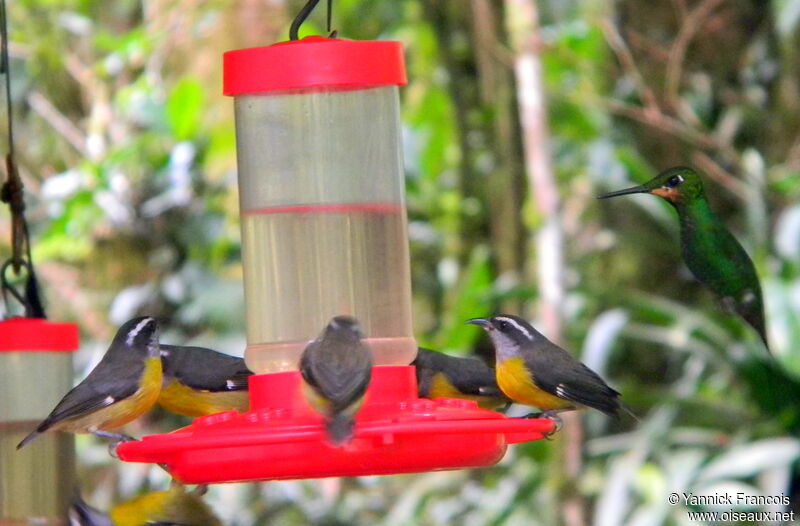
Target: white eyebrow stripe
136,330
516,324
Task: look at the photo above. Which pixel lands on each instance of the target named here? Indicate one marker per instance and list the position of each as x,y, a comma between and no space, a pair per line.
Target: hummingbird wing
205,369
559,373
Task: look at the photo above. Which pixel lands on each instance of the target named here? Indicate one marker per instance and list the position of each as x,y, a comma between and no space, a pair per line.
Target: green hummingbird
713,255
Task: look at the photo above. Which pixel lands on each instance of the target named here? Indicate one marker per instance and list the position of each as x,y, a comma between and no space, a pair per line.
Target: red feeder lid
281,437
313,62
35,334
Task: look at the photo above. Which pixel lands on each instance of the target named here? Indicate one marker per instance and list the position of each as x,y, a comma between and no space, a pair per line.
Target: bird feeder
324,233
36,483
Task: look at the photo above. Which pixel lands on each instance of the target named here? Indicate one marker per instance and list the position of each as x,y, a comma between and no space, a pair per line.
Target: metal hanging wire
12,193
304,13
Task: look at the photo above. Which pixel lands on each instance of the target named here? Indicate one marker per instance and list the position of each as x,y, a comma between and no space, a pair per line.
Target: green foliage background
127,150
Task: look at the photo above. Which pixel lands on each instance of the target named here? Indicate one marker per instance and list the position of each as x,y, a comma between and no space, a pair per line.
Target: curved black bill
480,321
633,190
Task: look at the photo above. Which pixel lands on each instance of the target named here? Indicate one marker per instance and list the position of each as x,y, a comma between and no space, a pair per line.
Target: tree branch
692,23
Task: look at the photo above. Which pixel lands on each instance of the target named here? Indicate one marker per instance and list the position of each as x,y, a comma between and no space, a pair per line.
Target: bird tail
764,339
35,433
622,408
340,429
81,514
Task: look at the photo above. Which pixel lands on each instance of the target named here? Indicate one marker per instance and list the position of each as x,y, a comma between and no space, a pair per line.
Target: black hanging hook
303,15
8,288
30,300
12,193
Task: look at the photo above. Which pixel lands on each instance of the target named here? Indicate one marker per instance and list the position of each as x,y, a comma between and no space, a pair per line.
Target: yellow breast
183,400
516,381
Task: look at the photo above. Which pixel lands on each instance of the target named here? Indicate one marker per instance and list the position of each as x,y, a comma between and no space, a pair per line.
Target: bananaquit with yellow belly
200,381
443,376
336,369
174,507
534,371
123,386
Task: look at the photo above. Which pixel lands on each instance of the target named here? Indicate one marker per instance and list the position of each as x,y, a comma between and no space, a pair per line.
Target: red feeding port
281,437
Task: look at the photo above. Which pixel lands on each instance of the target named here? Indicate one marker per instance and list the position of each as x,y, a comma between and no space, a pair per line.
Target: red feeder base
281,437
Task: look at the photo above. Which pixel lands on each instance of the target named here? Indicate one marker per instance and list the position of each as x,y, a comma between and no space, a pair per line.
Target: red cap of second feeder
20,334
313,62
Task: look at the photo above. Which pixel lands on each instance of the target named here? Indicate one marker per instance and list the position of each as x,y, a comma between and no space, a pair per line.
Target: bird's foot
558,423
116,437
201,490
117,440
533,415
112,449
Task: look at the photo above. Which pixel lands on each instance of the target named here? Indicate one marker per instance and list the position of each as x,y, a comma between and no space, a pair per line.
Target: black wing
204,369
558,373
109,382
468,375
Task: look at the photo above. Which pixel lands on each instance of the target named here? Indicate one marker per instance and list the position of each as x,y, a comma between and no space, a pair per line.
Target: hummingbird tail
764,339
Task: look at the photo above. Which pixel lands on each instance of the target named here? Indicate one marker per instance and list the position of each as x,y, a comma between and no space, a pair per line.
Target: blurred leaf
746,460
468,301
184,107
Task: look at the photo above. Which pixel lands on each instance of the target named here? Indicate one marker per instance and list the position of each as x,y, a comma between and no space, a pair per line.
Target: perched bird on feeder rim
336,369
176,506
713,255
200,381
121,387
534,371
443,376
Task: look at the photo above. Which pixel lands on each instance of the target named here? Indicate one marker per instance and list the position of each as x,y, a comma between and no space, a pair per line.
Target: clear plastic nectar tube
324,229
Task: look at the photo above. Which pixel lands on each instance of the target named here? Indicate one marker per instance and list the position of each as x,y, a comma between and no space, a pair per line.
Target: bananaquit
174,507
534,371
200,381
337,368
443,376
121,387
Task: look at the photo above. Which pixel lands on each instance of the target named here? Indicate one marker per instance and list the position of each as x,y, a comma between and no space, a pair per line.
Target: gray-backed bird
713,255
337,368
121,387
443,376
200,381
534,371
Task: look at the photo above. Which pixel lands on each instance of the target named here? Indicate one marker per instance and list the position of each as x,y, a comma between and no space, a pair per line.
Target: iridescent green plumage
713,255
